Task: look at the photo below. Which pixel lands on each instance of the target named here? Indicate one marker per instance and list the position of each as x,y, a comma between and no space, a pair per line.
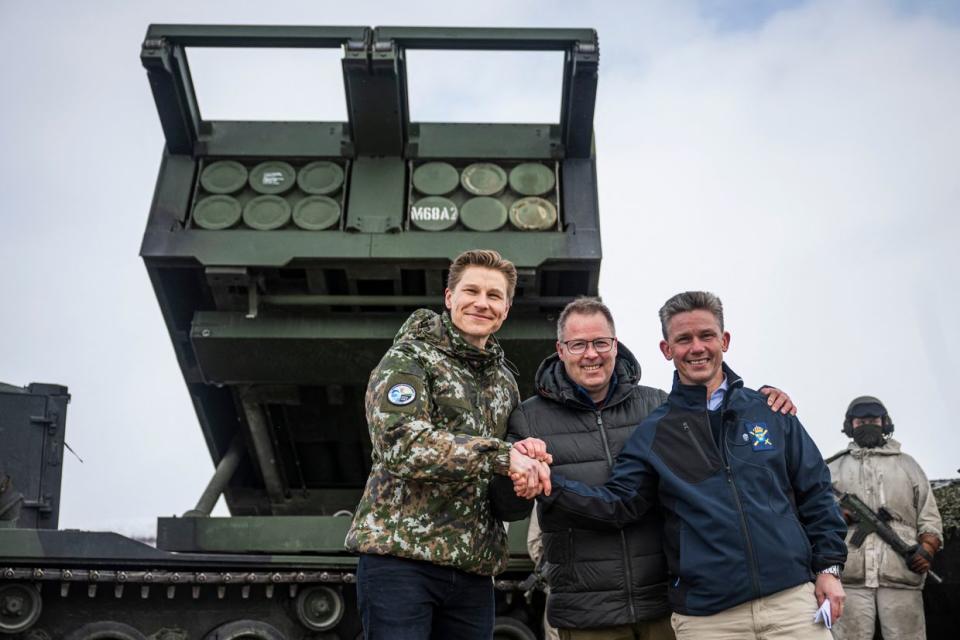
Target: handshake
529,468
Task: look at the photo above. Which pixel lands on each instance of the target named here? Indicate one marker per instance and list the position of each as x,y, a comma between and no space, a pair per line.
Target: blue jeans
402,599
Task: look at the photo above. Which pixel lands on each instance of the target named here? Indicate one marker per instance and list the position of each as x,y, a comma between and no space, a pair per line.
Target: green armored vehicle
285,256
941,602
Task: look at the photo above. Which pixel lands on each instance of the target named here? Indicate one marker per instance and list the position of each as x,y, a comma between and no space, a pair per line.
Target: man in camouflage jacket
437,407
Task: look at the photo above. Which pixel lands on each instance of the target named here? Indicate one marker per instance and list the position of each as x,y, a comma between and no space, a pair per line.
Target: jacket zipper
623,537
754,577
736,499
696,444
480,382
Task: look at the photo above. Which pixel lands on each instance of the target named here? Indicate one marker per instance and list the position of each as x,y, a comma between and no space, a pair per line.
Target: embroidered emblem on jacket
401,394
758,431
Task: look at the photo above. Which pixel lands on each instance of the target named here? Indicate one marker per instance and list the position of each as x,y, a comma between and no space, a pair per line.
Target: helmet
866,406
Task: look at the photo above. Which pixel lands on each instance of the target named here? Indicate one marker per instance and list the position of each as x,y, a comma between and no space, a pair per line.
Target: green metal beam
253,534
191,35
508,39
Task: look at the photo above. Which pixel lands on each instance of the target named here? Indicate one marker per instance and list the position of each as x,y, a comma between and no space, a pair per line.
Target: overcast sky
799,159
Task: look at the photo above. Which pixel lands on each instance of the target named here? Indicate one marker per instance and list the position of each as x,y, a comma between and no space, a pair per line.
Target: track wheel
245,630
20,607
320,608
106,630
507,628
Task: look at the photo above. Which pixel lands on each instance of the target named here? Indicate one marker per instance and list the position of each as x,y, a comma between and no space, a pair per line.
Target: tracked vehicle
941,602
285,256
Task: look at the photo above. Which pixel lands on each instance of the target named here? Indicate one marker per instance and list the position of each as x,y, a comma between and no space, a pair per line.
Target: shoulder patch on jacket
758,434
402,392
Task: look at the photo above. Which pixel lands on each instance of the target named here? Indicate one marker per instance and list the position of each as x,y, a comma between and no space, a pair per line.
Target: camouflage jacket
437,409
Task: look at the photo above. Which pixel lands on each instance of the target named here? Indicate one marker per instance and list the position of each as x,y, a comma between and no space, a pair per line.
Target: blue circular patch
401,394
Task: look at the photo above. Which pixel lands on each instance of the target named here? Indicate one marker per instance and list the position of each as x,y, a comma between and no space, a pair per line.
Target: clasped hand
529,468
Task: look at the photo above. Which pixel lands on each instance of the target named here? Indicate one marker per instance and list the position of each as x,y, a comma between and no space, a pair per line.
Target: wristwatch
501,462
833,570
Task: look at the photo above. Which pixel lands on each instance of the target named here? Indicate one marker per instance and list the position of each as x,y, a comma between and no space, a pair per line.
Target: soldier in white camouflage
437,407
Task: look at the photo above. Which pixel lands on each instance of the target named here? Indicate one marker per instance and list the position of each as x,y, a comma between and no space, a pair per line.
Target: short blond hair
488,259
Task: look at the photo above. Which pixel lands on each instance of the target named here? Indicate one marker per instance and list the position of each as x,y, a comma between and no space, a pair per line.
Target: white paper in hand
823,614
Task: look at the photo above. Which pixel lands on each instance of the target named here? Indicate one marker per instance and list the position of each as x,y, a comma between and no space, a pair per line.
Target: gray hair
585,306
690,301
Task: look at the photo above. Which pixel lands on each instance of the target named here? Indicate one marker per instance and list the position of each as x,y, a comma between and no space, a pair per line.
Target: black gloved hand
919,560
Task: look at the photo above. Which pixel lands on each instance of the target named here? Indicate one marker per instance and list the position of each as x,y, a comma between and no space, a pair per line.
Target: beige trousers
786,615
900,612
659,629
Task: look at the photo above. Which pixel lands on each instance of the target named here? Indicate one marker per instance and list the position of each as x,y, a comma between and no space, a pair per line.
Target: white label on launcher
433,213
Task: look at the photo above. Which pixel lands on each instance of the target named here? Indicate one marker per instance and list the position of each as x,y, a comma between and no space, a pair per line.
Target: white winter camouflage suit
876,578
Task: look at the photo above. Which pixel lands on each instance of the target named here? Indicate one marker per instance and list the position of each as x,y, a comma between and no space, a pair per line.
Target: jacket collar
693,397
889,448
439,330
554,384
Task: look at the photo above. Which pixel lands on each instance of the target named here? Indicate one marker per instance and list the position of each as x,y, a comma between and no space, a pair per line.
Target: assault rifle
534,582
870,521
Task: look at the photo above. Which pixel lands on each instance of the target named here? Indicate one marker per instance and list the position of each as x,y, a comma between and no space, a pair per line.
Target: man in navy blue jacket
753,537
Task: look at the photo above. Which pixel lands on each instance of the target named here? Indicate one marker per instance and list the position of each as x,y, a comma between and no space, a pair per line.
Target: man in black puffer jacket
604,582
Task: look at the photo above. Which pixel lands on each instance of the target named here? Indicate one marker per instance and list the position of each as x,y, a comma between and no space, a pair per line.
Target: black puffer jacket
602,577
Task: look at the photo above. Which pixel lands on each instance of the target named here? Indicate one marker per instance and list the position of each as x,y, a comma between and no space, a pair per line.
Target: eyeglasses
600,345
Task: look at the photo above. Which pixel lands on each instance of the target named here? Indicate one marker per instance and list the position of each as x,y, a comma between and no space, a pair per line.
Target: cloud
801,163
801,171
